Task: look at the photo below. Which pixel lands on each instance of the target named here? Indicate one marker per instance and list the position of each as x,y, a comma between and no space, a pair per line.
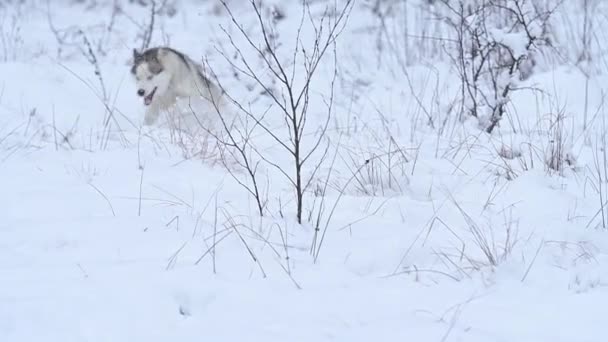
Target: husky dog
164,76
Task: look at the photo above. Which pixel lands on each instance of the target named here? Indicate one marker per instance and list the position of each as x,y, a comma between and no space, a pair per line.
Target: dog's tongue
148,98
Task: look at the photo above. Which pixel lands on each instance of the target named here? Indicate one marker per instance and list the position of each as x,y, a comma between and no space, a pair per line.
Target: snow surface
101,241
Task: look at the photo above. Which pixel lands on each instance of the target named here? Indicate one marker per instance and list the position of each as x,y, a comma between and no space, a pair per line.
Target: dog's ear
136,55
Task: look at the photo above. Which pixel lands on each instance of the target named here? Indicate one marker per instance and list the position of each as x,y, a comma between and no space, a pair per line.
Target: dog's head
150,75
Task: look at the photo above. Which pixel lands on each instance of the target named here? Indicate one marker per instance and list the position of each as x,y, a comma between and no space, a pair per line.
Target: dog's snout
141,92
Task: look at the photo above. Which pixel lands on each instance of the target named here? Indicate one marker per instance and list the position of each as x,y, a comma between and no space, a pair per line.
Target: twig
104,197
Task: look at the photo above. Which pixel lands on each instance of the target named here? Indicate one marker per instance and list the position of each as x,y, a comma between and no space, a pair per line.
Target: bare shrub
495,42
289,85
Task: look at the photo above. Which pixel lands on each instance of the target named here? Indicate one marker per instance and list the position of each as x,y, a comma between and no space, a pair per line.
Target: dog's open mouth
148,98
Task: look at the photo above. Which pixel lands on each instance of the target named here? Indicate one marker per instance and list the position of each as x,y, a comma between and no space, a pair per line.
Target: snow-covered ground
430,229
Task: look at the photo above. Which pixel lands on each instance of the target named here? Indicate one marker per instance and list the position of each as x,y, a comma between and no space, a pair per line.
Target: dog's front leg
151,115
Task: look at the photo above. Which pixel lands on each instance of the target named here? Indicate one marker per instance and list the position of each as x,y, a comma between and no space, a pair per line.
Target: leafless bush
497,42
293,79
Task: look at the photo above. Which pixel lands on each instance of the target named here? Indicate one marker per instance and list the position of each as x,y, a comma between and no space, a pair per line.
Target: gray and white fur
164,75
